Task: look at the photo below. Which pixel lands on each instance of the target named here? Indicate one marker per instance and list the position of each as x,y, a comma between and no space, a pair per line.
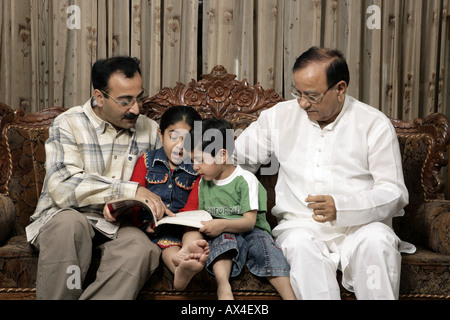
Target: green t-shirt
230,198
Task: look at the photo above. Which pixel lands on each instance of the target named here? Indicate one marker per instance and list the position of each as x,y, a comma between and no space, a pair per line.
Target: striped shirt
89,163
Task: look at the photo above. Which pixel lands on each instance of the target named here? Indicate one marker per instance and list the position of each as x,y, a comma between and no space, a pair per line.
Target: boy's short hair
212,136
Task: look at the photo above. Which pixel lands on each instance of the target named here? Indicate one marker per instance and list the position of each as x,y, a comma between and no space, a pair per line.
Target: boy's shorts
256,249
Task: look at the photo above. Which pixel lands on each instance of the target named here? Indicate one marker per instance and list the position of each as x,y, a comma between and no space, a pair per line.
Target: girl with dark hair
169,173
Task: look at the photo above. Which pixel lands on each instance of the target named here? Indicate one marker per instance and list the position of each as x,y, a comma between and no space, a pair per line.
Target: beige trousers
66,246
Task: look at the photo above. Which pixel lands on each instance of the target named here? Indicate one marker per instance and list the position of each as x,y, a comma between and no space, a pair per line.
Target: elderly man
340,182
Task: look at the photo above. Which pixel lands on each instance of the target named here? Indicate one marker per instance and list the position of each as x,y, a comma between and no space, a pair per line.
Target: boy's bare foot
189,262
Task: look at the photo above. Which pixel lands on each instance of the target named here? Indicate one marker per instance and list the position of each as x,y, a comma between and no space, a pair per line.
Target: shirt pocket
128,166
156,177
185,182
156,182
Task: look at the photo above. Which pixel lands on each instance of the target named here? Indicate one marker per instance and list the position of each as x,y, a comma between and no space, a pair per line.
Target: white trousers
368,257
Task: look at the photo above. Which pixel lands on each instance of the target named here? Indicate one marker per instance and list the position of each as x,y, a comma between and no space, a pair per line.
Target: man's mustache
130,116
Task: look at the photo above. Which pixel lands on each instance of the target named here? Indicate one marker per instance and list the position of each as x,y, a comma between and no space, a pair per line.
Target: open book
187,218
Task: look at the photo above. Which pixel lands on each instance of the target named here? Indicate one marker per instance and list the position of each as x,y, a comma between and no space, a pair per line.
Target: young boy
239,233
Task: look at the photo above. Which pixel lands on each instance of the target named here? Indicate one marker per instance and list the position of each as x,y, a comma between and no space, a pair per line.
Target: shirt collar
160,156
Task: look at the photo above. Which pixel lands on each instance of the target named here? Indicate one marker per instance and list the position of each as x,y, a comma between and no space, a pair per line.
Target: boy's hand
213,228
216,227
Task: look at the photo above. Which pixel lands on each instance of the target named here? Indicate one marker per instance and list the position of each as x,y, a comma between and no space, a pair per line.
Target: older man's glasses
313,98
128,103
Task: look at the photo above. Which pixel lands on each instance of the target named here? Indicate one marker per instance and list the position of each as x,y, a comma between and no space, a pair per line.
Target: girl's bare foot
198,246
189,262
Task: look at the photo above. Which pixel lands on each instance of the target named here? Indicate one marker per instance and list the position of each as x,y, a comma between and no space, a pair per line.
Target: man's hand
107,215
154,201
323,207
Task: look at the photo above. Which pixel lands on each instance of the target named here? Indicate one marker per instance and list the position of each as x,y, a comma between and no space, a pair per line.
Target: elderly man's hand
323,207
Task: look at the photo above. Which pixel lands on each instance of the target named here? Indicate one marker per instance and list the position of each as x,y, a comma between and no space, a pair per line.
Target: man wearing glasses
339,184
90,156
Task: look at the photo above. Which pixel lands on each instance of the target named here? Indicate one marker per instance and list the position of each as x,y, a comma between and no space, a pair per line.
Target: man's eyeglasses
128,103
311,98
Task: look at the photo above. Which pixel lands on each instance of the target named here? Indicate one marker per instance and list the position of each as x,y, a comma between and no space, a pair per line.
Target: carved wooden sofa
424,142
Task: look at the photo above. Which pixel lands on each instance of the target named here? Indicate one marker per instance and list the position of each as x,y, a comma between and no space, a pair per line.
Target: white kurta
356,159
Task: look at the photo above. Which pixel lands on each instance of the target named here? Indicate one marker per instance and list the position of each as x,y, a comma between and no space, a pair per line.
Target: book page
187,218
109,229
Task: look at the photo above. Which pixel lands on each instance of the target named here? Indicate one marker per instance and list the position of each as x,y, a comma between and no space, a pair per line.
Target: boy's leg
265,259
222,270
226,259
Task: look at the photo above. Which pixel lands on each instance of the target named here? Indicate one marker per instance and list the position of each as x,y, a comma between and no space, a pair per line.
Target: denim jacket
173,187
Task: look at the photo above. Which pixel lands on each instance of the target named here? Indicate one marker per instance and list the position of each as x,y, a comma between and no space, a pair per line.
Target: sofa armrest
434,221
426,224
7,217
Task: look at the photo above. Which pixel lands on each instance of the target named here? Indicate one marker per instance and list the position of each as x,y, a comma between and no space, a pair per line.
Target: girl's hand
150,230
